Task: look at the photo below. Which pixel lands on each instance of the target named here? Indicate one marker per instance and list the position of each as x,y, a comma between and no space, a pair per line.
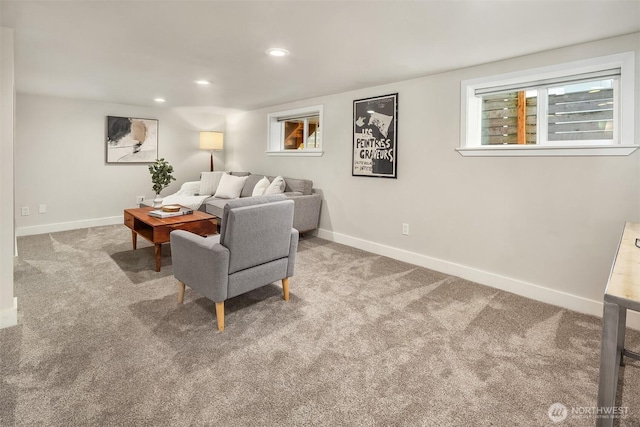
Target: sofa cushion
260,187
215,206
252,180
276,186
304,186
230,186
209,182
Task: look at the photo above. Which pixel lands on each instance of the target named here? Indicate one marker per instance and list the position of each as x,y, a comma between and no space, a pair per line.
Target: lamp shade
211,140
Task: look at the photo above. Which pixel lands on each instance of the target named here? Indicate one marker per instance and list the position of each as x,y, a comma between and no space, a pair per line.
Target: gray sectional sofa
307,203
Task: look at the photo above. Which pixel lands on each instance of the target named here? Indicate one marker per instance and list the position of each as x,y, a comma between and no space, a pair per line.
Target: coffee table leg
158,251
134,239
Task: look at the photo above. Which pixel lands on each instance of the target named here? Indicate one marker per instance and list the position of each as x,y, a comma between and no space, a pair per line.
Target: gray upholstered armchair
256,246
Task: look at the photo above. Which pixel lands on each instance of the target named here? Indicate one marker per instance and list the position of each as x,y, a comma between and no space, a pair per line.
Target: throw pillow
260,187
230,186
209,182
190,188
276,187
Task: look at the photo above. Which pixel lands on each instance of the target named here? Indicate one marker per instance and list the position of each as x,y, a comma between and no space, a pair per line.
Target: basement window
296,132
581,108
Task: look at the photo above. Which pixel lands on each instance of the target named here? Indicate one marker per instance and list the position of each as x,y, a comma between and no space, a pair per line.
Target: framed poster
375,145
131,140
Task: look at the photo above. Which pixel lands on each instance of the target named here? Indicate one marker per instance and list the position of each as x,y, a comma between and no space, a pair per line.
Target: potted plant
161,177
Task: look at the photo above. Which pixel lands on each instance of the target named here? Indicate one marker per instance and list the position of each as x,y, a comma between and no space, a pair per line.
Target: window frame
275,140
471,110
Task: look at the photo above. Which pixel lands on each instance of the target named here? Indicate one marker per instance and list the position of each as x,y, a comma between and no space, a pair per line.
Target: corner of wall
8,303
9,316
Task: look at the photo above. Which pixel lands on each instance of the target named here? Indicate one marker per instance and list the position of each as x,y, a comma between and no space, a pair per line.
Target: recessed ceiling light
202,82
159,99
276,51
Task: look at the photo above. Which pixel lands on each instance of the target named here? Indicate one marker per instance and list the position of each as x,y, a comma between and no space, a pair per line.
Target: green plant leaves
161,176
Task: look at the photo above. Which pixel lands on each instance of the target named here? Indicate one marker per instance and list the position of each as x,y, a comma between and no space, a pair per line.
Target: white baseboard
71,225
9,316
519,287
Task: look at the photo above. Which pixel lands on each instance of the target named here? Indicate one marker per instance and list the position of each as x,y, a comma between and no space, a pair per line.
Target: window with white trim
296,132
580,108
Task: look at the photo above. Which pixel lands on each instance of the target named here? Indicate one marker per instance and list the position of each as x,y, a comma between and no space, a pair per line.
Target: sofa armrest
306,212
201,263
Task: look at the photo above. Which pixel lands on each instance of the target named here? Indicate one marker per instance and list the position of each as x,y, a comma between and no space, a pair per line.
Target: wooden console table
156,230
622,293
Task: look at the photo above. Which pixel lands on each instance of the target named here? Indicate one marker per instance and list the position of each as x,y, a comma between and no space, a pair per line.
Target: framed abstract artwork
375,129
131,140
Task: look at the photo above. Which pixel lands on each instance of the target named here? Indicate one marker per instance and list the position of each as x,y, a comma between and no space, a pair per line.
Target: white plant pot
157,202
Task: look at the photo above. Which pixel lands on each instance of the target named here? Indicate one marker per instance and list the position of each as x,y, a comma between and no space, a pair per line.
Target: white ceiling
133,51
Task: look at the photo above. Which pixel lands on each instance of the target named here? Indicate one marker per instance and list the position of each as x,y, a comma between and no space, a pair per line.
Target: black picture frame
375,137
131,140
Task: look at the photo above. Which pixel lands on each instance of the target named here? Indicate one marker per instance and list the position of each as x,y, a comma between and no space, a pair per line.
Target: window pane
293,134
313,137
581,111
509,118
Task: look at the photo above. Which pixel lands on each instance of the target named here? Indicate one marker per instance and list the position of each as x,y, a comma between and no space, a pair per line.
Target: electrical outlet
42,208
405,229
25,211
139,199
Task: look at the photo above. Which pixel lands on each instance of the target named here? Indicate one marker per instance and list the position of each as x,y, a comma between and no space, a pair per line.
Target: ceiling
133,51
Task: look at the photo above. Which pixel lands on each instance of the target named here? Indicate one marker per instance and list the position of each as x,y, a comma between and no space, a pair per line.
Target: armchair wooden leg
180,292
285,288
220,315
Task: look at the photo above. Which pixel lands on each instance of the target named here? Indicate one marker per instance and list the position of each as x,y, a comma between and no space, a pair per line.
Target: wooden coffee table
156,230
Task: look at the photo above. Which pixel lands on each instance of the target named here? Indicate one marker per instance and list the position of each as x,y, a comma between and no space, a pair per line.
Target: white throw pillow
209,182
189,188
276,187
230,186
261,187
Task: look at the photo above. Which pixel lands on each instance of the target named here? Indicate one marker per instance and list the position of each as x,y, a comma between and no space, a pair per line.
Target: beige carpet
364,341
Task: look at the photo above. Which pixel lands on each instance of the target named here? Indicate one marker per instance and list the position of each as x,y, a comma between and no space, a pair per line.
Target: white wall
8,304
544,227
60,160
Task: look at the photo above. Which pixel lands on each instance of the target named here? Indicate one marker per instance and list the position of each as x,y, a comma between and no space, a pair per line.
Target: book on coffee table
161,214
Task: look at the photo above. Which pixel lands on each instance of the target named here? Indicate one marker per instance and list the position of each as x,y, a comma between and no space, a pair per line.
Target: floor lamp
212,141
